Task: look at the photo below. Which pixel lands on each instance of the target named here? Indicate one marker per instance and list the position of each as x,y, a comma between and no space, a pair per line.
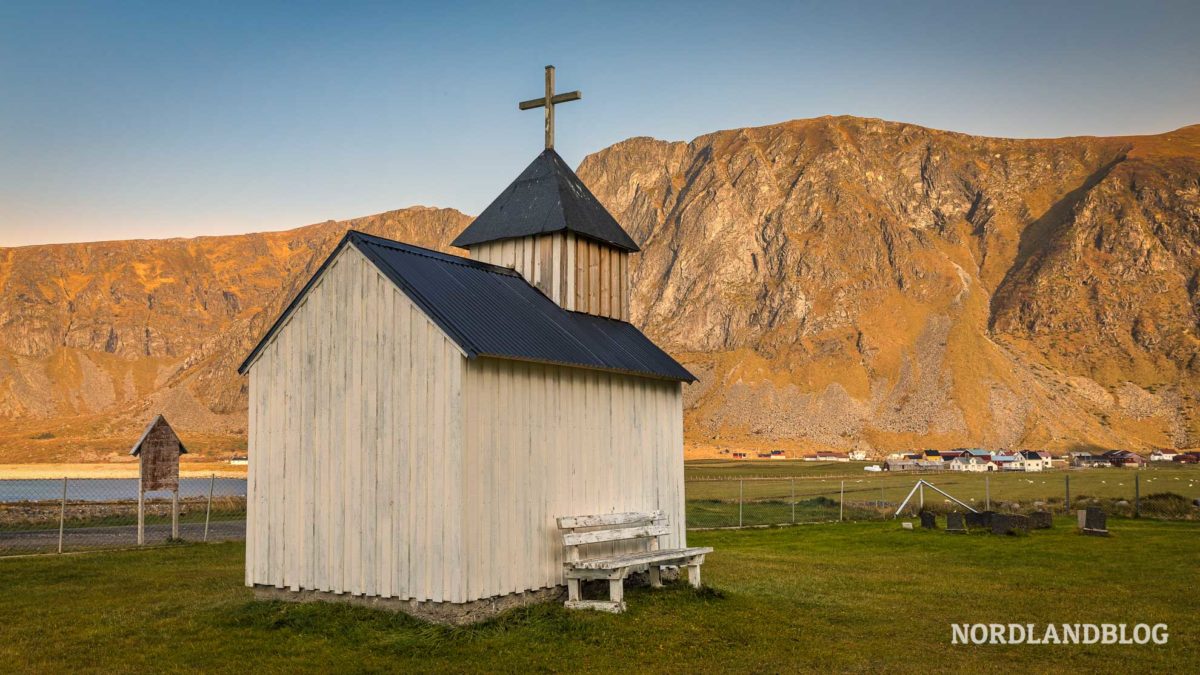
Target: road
22,542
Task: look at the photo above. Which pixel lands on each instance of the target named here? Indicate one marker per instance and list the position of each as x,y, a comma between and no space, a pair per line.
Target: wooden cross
548,102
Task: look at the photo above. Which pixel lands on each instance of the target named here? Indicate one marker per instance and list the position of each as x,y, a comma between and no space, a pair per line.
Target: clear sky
159,119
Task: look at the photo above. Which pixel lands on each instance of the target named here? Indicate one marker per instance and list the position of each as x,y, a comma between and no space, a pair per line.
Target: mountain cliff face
848,282
97,338
837,282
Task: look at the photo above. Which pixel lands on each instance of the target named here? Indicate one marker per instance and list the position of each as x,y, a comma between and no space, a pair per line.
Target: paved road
20,542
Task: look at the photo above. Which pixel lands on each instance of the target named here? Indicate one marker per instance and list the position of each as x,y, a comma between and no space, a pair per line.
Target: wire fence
78,514
758,501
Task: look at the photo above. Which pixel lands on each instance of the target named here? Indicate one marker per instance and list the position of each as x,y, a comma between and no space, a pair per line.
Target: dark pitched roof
492,311
547,197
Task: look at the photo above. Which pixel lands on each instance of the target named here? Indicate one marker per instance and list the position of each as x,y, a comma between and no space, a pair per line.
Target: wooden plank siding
578,274
384,463
546,441
345,494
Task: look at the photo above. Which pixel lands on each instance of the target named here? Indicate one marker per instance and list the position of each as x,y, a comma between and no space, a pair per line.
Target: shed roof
158,420
493,311
547,197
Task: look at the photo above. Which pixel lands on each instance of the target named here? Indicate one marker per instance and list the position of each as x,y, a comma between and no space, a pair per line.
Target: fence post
842,502
987,492
141,514
175,513
208,511
1137,495
62,515
1067,507
793,501
740,481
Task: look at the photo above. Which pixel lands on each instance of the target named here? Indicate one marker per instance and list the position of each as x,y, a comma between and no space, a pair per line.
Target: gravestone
983,519
1009,523
1095,522
928,520
1081,516
906,525
955,523
1041,520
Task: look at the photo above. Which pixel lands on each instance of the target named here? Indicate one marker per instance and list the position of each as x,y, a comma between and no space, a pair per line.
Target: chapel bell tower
549,227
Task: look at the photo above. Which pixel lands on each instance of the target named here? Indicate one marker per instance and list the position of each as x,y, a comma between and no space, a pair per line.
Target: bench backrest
582,530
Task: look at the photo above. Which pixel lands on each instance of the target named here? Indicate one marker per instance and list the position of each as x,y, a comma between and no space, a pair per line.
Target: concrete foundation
455,614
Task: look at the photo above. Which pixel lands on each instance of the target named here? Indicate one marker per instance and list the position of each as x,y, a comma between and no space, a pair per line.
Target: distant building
778,454
858,455
239,460
1032,456
1161,455
1085,460
1005,462
1124,458
931,456
903,464
971,463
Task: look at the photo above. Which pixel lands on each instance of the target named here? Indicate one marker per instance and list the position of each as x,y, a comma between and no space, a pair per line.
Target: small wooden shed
419,420
158,450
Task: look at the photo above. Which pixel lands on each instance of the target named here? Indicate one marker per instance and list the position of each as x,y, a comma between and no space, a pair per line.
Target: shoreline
113,470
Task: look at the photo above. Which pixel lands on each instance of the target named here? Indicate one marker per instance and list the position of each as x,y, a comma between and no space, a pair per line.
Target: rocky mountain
853,282
836,283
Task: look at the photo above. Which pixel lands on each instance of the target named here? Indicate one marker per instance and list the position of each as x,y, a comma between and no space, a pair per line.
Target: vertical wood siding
382,462
356,444
546,441
577,273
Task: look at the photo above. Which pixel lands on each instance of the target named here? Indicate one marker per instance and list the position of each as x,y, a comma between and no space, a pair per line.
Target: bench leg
616,590
694,575
573,590
655,576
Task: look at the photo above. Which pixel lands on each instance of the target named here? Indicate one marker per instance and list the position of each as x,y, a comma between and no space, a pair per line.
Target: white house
971,463
1162,455
419,420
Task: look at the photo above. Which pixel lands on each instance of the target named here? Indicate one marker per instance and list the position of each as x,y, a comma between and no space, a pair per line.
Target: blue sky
159,119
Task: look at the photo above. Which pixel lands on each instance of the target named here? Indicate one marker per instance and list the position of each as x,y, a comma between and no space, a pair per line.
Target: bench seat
645,527
641,558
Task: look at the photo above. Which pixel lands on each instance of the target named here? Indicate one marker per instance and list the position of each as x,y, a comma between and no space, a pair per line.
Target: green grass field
836,597
768,487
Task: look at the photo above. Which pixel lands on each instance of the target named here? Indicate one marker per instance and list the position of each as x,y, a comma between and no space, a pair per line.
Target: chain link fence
78,514
1171,493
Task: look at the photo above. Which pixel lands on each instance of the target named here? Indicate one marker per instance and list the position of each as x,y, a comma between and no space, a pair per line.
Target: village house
419,420
1124,458
1042,458
1023,462
972,463
1163,455
827,456
858,455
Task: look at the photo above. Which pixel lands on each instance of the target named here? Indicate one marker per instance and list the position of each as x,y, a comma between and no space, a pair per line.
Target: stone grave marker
1041,520
928,520
983,519
1095,522
1009,523
955,523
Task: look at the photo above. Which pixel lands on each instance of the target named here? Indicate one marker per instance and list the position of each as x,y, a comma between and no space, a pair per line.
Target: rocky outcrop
96,338
837,282
843,280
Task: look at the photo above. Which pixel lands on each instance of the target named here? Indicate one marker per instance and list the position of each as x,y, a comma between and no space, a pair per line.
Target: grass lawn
841,597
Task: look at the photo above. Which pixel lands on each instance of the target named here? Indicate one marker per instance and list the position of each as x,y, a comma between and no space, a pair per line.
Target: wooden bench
620,527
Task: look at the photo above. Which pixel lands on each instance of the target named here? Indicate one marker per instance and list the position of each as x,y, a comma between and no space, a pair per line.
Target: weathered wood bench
620,527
